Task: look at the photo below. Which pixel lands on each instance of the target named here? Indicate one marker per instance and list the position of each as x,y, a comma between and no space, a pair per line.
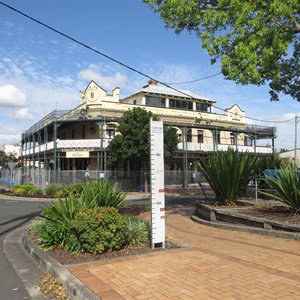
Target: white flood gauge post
158,234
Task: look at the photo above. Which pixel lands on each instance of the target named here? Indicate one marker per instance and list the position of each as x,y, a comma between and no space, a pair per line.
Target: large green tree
5,158
251,38
132,142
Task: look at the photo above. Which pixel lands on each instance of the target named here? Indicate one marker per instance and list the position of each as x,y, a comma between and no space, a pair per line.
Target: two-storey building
78,139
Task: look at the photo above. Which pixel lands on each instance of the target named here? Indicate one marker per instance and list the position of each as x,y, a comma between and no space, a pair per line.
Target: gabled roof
166,91
93,82
233,107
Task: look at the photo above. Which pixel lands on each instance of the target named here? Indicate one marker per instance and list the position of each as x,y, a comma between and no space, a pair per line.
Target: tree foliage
5,158
133,140
251,38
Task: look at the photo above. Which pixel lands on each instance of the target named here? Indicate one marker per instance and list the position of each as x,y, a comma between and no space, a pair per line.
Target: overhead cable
127,66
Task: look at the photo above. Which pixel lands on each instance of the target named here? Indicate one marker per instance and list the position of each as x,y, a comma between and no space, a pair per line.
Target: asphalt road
13,215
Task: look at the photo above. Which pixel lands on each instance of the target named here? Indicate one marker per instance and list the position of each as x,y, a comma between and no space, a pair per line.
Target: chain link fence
127,181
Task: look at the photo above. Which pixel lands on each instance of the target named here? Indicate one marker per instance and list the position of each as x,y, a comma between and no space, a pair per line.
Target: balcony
88,144
221,147
91,144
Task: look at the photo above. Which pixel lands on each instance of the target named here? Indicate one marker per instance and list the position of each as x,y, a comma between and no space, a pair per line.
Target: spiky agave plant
287,183
98,193
54,230
229,172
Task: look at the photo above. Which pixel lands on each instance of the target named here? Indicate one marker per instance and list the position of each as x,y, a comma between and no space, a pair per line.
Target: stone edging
209,216
74,287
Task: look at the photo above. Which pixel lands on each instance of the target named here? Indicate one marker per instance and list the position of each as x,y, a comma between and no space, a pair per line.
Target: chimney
152,82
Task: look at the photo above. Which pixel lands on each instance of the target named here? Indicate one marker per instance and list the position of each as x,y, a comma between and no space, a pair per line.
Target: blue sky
41,71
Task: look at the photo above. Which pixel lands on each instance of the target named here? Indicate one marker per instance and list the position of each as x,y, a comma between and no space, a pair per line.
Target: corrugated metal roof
160,89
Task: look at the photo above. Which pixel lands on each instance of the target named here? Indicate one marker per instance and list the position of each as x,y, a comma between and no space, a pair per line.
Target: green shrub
97,230
74,189
50,234
99,193
287,183
27,189
52,190
60,194
19,190
56,230
36,226
138,231
229,172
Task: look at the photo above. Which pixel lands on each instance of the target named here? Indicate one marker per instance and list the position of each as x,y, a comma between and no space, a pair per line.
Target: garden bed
269,216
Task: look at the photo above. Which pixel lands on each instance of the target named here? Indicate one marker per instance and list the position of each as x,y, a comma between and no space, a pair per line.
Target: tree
5,158
251,38
133,141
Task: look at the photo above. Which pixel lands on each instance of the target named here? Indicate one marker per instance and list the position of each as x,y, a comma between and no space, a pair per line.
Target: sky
41,71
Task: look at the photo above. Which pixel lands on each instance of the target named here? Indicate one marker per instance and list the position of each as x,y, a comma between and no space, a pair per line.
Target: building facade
78,139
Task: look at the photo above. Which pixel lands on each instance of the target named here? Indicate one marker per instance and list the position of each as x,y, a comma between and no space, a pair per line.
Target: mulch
278,213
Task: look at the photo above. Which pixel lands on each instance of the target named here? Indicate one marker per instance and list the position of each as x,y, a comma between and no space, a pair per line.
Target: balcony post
55,150
184,155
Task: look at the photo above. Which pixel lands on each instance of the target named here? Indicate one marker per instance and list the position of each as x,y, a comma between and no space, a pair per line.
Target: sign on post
157,184
11,165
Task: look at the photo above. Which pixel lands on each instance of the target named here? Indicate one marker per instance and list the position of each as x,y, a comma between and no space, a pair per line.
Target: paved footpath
218,264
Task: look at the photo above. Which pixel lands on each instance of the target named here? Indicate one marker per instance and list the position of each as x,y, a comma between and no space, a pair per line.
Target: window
181,104
111,133
217,137
202,107
156,101
200,136
232,138
247,141
189,135
134,102
83,131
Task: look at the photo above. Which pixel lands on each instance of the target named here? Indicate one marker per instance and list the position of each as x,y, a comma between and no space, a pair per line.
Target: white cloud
10,96
22,114
8,24
106,82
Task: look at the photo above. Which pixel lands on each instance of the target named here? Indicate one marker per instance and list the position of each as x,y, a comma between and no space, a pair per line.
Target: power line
196,80
92,49
125,65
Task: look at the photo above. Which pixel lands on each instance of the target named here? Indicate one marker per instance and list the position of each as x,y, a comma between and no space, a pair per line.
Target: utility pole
296,132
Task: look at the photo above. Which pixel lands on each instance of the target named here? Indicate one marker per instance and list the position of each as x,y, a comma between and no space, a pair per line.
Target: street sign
157,184
12,165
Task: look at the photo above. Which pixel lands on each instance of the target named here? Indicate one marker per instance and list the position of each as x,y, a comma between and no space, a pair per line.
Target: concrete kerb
267,232
74,287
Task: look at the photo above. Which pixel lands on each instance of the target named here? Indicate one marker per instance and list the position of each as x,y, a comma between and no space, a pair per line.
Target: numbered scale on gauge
157,184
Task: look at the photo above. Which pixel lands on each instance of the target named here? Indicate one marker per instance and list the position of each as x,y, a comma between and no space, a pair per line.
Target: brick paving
217,264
